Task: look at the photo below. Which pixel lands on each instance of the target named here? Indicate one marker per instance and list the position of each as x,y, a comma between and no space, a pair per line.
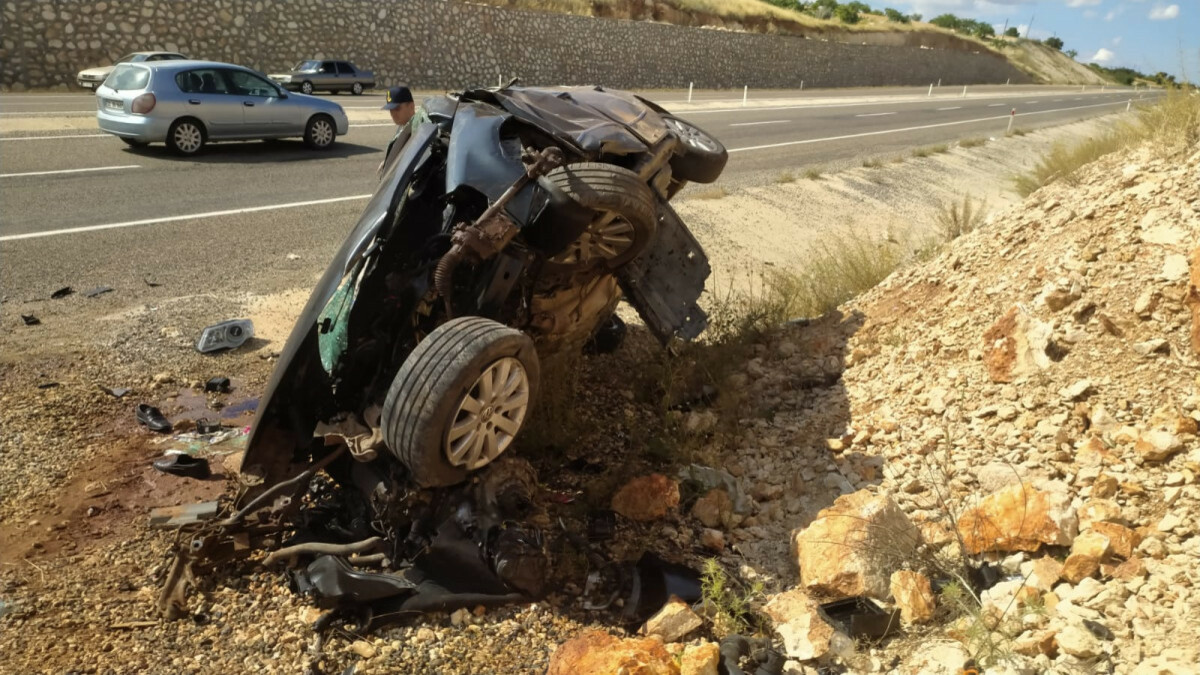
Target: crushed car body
506,229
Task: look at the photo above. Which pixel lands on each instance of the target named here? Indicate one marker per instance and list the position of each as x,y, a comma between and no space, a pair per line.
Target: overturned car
508,225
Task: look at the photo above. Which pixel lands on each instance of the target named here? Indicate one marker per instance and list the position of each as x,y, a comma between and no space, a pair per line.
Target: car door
345,75
261,105
207,98
327,77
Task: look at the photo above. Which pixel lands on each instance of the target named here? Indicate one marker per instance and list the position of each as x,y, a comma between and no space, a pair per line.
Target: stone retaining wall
450,44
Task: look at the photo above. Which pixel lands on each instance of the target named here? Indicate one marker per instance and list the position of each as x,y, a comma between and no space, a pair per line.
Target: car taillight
142,104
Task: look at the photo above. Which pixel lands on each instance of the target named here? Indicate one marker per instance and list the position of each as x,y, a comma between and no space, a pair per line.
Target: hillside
1045,64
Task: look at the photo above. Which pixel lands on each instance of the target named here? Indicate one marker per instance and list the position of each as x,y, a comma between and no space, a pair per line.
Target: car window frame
332,71
217,73
340,65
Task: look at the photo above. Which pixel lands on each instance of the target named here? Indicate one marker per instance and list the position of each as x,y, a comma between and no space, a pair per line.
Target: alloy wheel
489,416
603,240
322,133
188,137
691,135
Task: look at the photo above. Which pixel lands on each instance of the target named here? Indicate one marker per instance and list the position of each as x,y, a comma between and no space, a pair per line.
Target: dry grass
971,142
715,192
785,177
872,163
1169,126
930,150
956,219
813,174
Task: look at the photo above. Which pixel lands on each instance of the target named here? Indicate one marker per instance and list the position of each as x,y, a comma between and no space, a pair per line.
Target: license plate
90,85
114,105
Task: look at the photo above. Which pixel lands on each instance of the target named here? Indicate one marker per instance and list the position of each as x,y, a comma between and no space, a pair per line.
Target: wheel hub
489,416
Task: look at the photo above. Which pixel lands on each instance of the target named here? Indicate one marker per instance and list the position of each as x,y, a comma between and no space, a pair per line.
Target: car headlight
225,335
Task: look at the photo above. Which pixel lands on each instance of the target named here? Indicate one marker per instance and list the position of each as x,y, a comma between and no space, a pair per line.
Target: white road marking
1076,99
875,114
957,107
997,105
752,124
50,173
172,219
1057,100
918,128
1031,101
47,138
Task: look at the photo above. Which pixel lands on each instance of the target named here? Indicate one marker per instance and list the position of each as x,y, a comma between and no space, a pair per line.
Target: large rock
1016,345
1122,540
714,509
804,633
702,659
1192,299
595,652
647,498
673,621
1078,642
1018,518
913,595
853,546
1079,566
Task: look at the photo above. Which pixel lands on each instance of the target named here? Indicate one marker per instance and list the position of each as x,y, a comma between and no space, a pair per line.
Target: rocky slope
1028,398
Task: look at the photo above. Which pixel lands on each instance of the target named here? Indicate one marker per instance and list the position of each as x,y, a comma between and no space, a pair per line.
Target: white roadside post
964,94
1011,116
1128,104
1008,82
939,83
930,90
690,91
745,94
801,85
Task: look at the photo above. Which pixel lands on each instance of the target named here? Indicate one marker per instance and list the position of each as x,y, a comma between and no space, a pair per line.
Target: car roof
185,65
153,52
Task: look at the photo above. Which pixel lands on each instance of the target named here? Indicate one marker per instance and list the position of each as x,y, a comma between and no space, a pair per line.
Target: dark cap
397,96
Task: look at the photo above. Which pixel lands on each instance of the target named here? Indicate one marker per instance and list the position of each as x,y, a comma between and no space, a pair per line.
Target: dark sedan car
332,76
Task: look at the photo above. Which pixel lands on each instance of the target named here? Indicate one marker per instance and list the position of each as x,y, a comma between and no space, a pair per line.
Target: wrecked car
507,227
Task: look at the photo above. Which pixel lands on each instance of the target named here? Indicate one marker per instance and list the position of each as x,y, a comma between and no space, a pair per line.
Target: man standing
407,117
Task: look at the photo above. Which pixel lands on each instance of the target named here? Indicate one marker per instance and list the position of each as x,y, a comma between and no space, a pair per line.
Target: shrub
1013,32
1055,42
895,15
955,219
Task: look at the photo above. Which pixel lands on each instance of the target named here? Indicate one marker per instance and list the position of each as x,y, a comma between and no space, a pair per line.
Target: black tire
612,190
427,394
134,143
356,89
700,158
186,136
320,132
306,87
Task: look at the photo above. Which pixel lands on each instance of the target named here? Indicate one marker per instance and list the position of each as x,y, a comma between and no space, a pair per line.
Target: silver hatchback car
187,104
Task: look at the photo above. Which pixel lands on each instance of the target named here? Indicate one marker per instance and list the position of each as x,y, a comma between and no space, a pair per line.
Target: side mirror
282,92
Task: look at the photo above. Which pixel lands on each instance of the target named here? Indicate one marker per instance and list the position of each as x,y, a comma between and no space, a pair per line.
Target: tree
860,7
983,30
946,21
846,14
915,17
1055,42
894,15
1013,32
1071,53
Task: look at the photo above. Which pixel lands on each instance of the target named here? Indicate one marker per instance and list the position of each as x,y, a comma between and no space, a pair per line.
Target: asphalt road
81,207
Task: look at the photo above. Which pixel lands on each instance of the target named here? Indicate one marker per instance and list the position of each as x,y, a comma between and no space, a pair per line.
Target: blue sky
1147,35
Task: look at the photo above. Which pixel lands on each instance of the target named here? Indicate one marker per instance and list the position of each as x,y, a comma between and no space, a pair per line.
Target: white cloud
1082,3
1164,12
1117,40
1112,14
1102,56
1090,14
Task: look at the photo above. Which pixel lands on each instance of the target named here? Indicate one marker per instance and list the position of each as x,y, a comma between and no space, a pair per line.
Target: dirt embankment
1045,64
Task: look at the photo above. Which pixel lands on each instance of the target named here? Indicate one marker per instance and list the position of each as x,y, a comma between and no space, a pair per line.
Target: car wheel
186,136
460,399
135,143
625,220
306,87
320,132
356,89
701,158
